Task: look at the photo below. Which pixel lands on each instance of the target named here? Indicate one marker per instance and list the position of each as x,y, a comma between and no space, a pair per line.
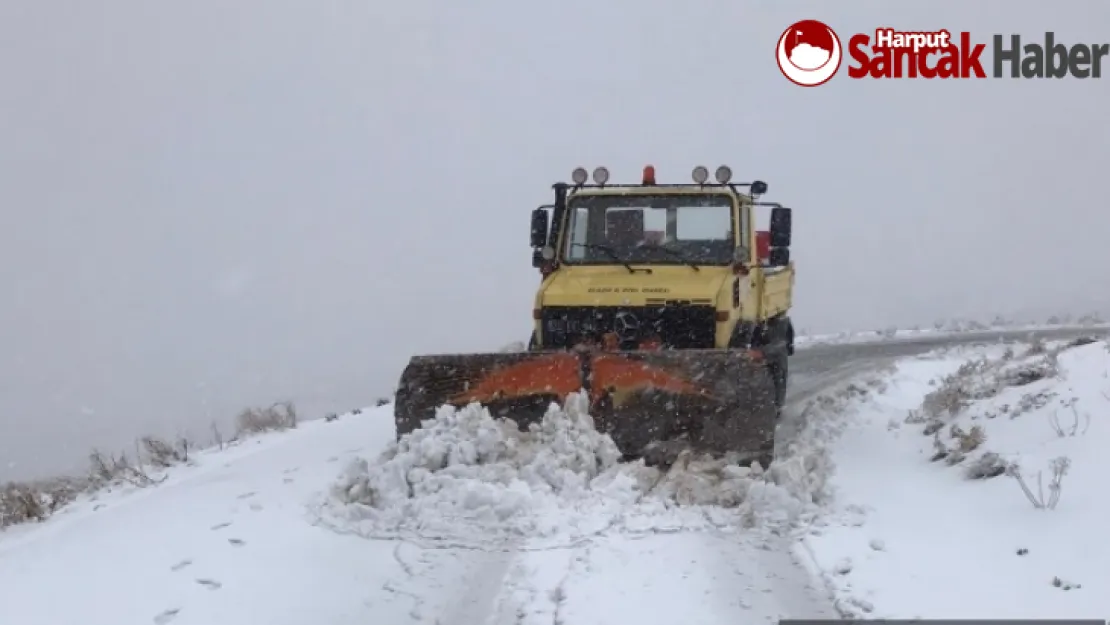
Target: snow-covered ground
467,524
929,517
470,522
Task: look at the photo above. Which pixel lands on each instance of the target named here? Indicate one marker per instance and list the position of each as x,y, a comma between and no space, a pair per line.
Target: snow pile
465,469
974,489
467,477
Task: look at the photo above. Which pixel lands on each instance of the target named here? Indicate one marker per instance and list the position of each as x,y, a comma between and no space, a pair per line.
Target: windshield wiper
674,254
611,253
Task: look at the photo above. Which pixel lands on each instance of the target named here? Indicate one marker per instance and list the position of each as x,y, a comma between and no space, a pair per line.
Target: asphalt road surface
815,368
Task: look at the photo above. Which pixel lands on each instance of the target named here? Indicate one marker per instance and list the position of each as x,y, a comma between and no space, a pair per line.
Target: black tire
765,460
767,455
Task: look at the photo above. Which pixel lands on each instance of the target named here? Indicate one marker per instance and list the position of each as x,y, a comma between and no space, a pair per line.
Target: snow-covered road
472,526
228,541
654,578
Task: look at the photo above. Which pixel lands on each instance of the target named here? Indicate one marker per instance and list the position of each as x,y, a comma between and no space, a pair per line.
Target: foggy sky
213,204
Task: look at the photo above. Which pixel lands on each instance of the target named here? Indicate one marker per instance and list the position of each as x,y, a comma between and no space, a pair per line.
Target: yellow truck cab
664,266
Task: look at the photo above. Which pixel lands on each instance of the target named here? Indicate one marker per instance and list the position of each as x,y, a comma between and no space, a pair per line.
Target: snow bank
468,478
973,489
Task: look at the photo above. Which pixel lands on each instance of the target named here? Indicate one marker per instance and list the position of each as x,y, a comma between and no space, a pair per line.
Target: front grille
677,326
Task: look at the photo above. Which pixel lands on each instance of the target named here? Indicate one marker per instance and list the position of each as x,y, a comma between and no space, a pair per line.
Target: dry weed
278,417
32,501
1059,467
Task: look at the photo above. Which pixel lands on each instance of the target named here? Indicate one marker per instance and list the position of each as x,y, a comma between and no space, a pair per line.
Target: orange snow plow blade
716,400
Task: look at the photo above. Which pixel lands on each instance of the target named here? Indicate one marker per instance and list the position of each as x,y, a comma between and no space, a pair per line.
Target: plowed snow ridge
466,478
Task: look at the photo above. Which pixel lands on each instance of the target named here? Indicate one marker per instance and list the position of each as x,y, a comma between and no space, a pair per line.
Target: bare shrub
968,441
1090,319
27,502
933,426
1043,368
954,392
985,466
1037,345
163,455
1059,467
1030,402
279,416
107,469
382,401
1072,428
1081,341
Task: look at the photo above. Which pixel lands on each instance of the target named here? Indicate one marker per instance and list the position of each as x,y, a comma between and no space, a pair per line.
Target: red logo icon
809,53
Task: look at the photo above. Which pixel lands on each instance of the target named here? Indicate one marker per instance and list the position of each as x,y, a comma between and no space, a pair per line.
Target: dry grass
37,500
278,417
982,379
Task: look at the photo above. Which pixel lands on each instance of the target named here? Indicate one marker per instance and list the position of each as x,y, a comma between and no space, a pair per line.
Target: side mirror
780,227
539,227
780,257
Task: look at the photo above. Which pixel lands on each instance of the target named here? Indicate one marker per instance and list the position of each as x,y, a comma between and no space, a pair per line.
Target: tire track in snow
646,578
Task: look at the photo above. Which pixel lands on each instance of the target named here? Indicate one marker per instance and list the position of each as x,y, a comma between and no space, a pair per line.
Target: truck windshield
666,229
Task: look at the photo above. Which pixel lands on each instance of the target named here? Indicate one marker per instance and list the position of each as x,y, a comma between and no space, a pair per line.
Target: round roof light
579,175
601,176
723,174
700,174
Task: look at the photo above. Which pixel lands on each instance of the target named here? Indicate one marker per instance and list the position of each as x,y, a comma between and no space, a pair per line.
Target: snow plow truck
661,302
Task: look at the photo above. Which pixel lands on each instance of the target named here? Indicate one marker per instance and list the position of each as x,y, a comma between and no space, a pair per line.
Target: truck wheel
766,456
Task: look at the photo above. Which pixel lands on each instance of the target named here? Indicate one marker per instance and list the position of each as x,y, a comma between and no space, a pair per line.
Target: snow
466,479
224,541
912,534
313,525
470,521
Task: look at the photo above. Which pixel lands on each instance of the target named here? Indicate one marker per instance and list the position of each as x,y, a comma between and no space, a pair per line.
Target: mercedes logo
626,325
